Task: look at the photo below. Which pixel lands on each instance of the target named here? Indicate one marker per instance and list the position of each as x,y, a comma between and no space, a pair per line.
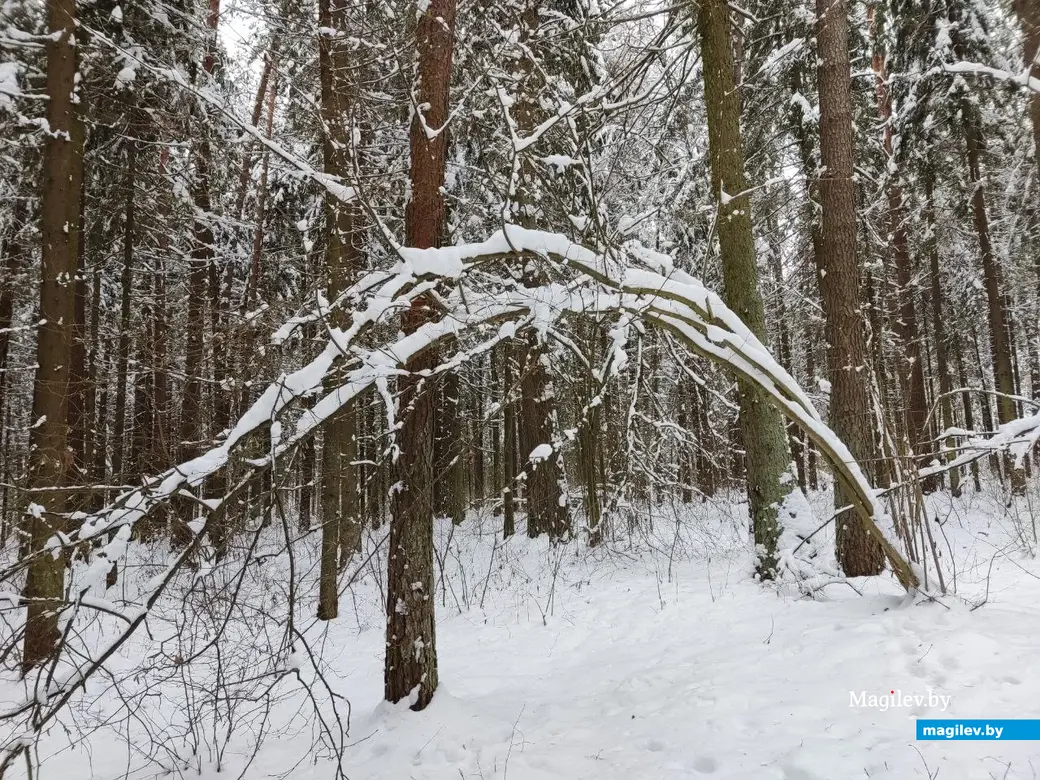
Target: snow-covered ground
661,659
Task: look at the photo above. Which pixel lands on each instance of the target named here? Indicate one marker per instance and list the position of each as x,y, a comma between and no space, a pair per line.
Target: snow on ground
662,660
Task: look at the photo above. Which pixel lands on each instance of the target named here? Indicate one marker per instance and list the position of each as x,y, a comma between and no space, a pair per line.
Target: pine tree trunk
942,341
79,387
707,482
762,427
50,459
911,376
341,523
1000,342
508,443
125,299
12,262
411,654
1029,15
547,510
306,484
193,422
1028,12
448,472
478,487
812,187
851,418
812,474
877,315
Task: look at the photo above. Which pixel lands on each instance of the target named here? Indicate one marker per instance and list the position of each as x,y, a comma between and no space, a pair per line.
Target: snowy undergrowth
656,656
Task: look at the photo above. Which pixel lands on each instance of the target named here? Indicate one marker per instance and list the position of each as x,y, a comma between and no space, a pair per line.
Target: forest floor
662,661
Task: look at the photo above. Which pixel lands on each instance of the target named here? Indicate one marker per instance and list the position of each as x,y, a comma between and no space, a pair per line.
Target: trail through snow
619,666
627,683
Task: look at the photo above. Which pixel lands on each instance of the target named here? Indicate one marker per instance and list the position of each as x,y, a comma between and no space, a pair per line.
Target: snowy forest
515,389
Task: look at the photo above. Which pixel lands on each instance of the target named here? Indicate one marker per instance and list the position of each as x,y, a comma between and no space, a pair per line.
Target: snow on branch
974,68
656,292
1017,437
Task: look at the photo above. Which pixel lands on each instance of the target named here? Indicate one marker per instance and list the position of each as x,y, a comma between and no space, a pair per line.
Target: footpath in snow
667,662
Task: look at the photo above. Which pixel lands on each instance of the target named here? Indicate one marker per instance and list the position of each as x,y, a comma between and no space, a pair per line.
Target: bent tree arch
476,299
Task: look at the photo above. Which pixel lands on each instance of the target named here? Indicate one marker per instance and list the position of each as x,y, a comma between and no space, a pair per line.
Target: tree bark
449,475
851,418
765,441
50,459
1028,12
508,442
942,340
996,310
192,423
126,295
547,510
911,377
411,655
341,523
11,250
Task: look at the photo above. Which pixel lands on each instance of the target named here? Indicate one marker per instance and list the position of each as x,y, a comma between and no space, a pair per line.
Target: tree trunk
50,460
11,251
79,386
547,510
1028,12
1029,16
341,524
1000,343
411,654
942,341
762,427
192,423
812,190
911,377
508,442
969,417
449,487
851,418
126,295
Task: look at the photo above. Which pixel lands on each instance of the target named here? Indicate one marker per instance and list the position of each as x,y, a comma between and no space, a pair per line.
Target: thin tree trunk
11,251
590,437
969,417
942,341
449,475
1000,343
270,61
79,421
509,442
126,295
192,423
812,190
11,258
706,471
911,376
478,488
812,474
795,435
